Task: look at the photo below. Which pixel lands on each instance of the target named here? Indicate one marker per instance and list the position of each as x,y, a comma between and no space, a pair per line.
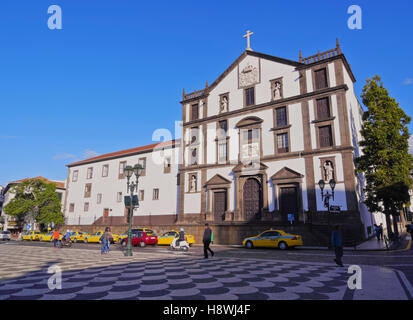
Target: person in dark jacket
207,239
337,244
181,237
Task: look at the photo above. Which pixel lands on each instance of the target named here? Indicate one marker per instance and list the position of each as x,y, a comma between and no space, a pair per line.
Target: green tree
35,201
386,161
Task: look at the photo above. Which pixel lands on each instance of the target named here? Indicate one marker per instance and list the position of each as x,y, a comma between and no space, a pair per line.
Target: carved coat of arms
248,76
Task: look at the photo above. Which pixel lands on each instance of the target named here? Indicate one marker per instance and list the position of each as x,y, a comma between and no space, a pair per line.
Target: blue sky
116,70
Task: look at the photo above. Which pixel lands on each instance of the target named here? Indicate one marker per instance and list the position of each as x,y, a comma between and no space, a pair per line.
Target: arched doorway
252,199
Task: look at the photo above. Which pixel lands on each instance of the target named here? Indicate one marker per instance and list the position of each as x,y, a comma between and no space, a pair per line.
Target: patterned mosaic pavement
88,275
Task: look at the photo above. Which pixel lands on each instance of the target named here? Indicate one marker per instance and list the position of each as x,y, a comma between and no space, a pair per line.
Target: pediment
248,121
252,166
217,179
286,173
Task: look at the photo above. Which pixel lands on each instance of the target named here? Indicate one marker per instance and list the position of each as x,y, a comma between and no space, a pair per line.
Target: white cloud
89,154
408,81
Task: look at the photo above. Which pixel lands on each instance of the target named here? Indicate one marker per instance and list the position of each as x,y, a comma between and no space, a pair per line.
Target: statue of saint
224,104
328,171
277,91
193,184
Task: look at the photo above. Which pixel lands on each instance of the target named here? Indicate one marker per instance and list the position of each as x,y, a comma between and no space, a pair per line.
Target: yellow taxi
31,235
273,238
96,237
48,236
168,237
78,236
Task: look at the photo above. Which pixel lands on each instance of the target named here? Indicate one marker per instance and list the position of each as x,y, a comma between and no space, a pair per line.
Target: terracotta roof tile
124,152
59,184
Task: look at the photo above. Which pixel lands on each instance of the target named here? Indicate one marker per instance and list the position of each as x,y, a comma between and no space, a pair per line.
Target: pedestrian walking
207,239
55,237
337,244
377,231
105,240
381,231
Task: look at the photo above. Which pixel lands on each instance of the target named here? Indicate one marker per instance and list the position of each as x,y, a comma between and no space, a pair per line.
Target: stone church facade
257,142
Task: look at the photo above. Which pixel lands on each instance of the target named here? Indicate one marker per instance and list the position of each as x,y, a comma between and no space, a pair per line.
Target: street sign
128,202
335,209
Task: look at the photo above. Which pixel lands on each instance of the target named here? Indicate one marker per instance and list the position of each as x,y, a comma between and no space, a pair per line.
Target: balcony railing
321,55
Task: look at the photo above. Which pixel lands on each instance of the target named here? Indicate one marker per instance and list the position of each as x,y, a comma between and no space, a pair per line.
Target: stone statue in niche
224,104
276,90
193,184
328,171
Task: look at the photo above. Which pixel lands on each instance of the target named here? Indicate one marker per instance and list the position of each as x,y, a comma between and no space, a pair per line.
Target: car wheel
282,245
249,245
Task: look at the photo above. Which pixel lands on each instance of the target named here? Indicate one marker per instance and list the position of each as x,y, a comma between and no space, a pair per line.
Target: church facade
270,143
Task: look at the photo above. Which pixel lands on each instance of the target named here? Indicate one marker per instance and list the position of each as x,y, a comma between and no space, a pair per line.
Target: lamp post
131,186
327,196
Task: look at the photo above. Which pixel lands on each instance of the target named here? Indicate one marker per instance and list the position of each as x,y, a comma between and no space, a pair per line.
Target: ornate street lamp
131,186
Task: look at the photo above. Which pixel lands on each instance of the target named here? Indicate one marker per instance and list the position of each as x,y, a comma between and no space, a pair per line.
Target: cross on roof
249,33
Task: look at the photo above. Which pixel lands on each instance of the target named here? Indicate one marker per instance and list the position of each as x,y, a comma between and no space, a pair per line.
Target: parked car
31,235
78,236
5,235
48,236
168,237
273,238
141,238
96,237
133,230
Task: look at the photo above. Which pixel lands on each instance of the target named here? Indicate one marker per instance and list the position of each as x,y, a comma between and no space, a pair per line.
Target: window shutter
194,112
325,136
321,79
323,109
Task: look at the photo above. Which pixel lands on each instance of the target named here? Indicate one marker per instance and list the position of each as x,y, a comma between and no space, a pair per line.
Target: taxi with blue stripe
273,238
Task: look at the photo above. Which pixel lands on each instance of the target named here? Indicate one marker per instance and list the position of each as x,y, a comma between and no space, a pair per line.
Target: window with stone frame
222,141
141,195
325,136
194,135
250,143
282,142
89,173
142,162
249,96
194,112
86,207
281,116
99,198
194,156
105,170
122,166
320,77
75,175
167,165
323,108
88,190
155,194
119,197
72,207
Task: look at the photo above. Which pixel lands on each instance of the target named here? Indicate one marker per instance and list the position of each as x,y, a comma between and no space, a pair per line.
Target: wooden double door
220,205
252,199
289,202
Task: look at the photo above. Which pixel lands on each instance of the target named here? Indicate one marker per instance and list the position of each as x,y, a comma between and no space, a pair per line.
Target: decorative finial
206,85
183,93
300,57
338,46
